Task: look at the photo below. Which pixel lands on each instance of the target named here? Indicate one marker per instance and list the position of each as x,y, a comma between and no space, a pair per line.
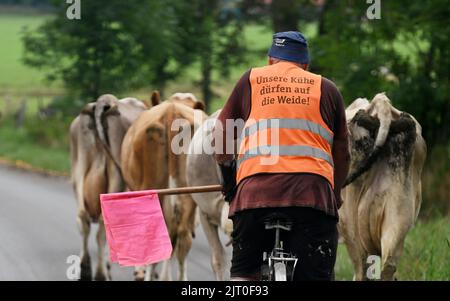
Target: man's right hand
228,170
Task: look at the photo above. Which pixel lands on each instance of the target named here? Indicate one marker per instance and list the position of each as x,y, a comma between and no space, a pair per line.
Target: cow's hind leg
184,234
166,270
84,225
102,273
217,251
152,273
169,216
355,251
391,251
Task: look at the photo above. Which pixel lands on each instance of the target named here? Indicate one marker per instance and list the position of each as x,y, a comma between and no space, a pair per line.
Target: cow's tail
103,105
172,164
380,108
170,135
106,106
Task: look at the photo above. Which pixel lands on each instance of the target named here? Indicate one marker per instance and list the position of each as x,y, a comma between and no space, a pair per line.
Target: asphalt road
38,231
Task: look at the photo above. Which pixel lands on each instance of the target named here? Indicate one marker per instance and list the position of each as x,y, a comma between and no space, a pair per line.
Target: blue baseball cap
290,46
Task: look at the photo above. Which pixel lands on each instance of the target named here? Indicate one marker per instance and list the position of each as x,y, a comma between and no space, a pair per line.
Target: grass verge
426,254
20,145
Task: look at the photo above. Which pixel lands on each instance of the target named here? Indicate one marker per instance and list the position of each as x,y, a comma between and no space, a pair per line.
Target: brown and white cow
150,161
95,143
202,169
383,199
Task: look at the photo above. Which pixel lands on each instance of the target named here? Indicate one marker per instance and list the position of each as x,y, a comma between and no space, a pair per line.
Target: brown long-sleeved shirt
287,189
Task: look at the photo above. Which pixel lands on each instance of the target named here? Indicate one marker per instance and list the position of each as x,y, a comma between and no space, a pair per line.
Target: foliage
115,46
405,53
35,3
119,45
215,31
436,182
40,143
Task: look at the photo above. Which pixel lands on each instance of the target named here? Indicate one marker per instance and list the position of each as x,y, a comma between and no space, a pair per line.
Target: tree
215,29
285,15
405,53
26,2
115,46
119,45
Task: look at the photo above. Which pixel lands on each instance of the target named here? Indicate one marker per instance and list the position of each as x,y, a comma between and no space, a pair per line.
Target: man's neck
294,63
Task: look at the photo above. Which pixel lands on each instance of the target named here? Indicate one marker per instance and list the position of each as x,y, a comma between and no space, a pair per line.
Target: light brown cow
383,200
95,142
151,160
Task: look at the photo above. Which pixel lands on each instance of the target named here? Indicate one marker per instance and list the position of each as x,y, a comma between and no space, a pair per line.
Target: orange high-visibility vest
285,132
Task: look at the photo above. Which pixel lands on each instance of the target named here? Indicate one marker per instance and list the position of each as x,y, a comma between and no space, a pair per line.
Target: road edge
24,166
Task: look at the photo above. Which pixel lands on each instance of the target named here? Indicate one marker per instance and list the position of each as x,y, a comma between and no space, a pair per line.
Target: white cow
383,199
202,169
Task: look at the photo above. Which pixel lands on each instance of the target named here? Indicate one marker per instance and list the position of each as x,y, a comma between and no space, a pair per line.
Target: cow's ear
156,98
199,106
147,103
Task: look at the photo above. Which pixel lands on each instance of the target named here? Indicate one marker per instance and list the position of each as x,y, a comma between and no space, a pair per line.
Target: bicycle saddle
278,220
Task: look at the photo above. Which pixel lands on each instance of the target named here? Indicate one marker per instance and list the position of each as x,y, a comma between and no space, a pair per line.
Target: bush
52,132
42,144
436,182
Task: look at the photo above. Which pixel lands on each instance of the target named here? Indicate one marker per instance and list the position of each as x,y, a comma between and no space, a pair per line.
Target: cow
202,169
150,162
384,194
96,136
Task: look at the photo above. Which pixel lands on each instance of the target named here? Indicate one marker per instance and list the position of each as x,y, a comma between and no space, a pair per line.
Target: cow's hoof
85,274
155,276
85,270
100,277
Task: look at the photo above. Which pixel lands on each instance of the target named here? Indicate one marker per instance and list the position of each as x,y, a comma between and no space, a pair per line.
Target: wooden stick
187,190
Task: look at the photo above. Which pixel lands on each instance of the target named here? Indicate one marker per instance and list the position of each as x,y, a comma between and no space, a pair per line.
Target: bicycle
279,265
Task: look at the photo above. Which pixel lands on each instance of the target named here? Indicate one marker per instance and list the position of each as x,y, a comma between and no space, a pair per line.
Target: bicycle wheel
280,271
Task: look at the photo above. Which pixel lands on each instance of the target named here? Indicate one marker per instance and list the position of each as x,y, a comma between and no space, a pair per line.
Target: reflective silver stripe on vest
288,123
286,150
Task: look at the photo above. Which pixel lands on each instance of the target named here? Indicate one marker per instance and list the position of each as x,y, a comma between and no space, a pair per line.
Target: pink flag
135,228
